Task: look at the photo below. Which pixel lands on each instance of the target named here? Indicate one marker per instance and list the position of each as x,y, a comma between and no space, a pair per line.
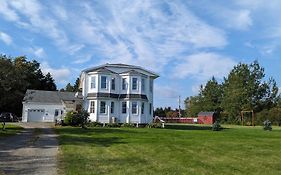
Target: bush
128,125
94,124
113,125
76,118
154,125
216,126
267,125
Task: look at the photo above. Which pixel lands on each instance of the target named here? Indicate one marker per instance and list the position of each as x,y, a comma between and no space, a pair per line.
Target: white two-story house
118,93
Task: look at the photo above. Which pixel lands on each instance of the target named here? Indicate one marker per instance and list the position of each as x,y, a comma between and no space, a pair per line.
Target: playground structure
252,117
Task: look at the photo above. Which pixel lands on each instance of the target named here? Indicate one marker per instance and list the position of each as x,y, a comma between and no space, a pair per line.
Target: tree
69,88
208,99
244,89
76,85
16,76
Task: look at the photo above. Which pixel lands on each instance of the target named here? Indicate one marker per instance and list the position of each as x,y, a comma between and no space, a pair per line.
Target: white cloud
202,66
83,59
61,75
5,38
38,52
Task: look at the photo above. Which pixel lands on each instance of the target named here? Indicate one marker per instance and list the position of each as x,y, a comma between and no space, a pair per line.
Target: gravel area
32,151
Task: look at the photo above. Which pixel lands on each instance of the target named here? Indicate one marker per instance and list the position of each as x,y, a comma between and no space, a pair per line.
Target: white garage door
35,115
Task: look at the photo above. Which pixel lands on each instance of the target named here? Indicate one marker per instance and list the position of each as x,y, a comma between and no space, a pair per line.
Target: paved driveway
33,151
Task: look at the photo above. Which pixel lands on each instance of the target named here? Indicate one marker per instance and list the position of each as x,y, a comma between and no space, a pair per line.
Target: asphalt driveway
33,151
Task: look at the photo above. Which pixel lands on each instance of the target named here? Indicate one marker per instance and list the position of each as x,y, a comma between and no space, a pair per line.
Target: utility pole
180,106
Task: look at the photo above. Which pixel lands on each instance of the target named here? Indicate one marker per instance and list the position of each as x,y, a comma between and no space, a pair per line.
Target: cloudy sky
185,42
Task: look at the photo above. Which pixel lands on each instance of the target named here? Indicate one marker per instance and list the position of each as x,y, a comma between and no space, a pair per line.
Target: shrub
94,124
113,125
154,125
267,125
216,126
128,125
76,118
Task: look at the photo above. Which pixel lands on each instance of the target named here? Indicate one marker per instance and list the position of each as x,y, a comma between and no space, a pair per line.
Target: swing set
252,117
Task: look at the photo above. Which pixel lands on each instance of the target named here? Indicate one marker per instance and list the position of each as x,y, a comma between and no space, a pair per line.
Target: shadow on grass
91,136
187,127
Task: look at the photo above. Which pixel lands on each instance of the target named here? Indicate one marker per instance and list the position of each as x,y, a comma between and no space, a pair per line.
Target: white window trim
122,107
136,84
104,107
94,110
106,82
95,82
137,111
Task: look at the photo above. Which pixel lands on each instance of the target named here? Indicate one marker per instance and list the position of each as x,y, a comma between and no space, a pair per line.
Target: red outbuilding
206,118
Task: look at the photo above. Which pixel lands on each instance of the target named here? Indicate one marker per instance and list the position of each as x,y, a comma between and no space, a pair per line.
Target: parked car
8,117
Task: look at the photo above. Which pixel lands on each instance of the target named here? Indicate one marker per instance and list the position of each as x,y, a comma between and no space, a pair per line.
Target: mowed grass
11,129
178,149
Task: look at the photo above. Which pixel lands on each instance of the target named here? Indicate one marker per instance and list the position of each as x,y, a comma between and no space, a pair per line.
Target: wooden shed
206,118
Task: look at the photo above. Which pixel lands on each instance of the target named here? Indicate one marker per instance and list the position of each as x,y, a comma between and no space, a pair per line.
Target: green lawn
10,130
179,149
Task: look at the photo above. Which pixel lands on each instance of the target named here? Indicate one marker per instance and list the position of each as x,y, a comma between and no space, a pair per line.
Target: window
112,107
56,112
124,107
143,84
151,85
142,108
92,107
135,84
150,108
102,107
113,83
134,107
93,82
124,84
103,82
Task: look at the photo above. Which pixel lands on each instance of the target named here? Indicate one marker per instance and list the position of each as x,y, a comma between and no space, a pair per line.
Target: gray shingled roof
120,65
48,96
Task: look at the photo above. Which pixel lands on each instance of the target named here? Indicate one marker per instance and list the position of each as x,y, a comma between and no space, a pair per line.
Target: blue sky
185,42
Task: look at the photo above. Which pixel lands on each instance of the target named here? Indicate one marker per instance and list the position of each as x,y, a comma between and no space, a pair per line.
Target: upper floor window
103,82
56,112
93,82
102,107
92,107
113,83
134,107
124,107
151,85
124,83
142,108
134,84
143,84
112,107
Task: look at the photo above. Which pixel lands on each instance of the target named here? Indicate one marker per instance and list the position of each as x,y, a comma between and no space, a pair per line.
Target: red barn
206,118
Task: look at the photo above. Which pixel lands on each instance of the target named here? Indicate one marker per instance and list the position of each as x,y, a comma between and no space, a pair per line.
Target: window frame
113,84
93,82
143,84
102,108
134,108
112,106
122,107
124,83
135,84
101,82
92,107
142,107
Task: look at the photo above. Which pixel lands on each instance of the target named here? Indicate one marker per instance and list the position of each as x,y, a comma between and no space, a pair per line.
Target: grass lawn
178,149
10,130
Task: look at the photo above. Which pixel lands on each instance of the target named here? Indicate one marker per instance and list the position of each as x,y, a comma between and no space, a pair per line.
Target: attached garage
47,106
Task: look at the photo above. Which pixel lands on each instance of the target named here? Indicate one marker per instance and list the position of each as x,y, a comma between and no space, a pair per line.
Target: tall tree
244,89
16,76
69,88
